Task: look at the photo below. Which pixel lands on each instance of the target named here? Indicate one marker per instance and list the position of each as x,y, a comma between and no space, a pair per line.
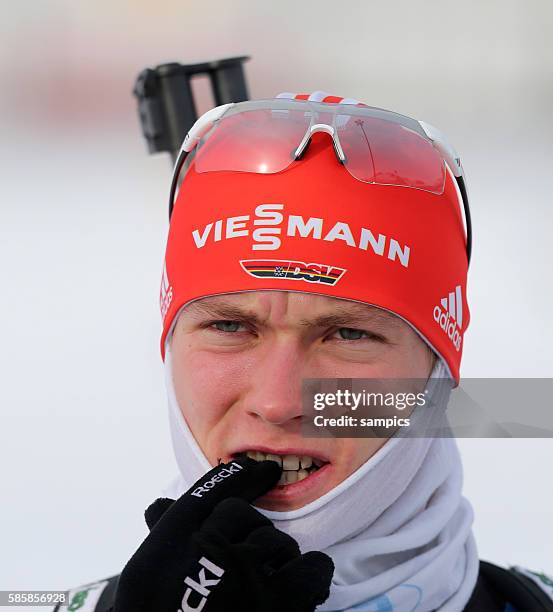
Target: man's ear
156,510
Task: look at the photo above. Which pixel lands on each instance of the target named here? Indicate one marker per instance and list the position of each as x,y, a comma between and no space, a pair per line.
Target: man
365,278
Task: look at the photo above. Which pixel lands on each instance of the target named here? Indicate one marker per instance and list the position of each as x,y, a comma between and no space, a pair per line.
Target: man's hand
211,551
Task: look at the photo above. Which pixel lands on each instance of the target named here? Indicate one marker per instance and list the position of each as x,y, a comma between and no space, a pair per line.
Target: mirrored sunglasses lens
386,153
261,140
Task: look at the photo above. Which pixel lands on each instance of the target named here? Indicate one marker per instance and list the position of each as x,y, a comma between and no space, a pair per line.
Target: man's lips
309,487
304,470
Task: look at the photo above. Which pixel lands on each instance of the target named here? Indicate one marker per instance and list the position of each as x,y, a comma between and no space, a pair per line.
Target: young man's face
238,364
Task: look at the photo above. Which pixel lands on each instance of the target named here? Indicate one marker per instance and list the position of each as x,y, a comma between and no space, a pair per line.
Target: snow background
84,441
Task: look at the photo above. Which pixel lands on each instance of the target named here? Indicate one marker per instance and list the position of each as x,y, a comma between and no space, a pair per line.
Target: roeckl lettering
209,484
267,230
200,585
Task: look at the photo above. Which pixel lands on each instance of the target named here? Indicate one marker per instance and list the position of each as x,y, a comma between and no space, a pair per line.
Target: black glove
212,551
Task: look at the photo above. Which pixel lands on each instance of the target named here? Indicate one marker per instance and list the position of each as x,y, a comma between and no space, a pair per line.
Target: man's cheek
206,386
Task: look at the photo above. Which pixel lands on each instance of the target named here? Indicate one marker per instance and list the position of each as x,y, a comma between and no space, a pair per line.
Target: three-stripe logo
449,316
165,292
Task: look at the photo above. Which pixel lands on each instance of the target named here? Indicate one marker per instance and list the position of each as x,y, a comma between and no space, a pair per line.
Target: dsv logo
294,270
200,586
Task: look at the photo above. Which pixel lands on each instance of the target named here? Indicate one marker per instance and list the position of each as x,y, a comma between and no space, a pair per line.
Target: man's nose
274,393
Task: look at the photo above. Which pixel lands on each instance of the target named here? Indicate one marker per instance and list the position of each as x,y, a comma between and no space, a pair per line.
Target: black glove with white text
210,550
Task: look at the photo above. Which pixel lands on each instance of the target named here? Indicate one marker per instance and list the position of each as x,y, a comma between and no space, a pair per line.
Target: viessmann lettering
267,230
219,477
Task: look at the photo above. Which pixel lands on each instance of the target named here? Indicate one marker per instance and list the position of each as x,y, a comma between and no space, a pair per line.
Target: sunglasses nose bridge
327,129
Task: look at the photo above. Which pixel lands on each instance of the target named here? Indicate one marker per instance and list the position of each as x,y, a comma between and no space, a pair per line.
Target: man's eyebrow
353,314
341,316
222,309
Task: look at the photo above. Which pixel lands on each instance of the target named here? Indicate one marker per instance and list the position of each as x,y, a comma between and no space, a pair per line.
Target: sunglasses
374,145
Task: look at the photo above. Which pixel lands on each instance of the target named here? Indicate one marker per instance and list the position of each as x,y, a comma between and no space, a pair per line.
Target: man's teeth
294,467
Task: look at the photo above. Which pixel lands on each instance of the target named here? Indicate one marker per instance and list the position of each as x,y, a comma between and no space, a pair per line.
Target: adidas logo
165,293
449,316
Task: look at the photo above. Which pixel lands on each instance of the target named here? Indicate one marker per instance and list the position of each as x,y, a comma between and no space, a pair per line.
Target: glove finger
156,510
242,477
270,548
234,519
308,577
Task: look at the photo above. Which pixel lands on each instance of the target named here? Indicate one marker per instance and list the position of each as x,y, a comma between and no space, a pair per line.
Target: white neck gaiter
398,529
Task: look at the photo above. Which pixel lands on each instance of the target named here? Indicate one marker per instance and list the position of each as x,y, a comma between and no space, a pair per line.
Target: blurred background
84,441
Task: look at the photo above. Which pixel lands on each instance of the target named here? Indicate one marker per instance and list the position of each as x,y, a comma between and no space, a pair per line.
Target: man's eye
348,333
226,326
